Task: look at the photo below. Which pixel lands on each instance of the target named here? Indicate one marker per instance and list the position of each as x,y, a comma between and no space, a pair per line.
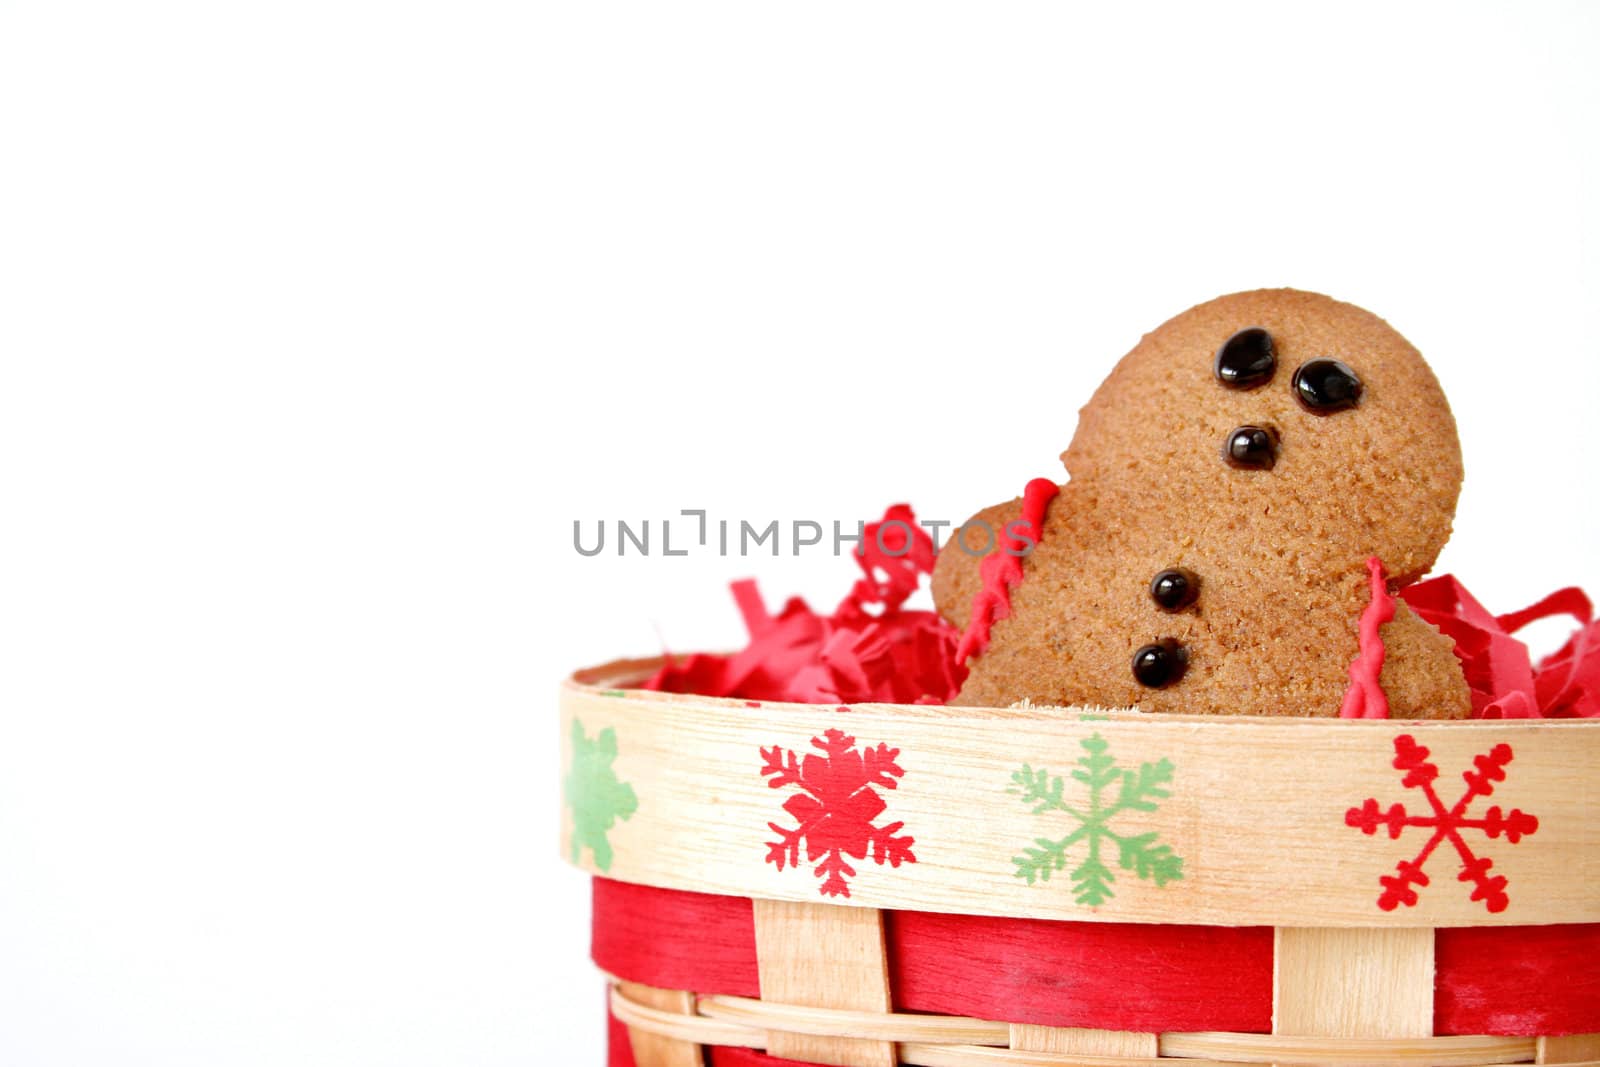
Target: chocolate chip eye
1161,664
1326,385
1246,360
1251,448
1174,589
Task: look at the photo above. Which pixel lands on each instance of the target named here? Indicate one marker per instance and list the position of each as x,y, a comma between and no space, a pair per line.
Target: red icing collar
1001,569
1365,699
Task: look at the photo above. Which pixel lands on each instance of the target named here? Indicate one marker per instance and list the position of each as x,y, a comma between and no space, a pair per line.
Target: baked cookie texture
1279,552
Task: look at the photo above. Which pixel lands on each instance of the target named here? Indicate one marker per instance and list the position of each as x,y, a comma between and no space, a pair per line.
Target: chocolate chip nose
1251,448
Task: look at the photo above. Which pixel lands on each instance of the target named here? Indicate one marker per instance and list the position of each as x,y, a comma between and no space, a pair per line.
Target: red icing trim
1365,699
1001,569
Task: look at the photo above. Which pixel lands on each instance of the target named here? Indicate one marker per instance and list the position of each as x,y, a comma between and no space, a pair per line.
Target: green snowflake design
595,794
1111,791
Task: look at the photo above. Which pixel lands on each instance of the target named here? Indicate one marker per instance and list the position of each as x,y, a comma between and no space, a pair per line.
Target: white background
322,322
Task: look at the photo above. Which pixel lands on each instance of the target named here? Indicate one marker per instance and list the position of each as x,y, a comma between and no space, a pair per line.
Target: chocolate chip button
1161,664
1174,589
1251,448
1324,386
1246,360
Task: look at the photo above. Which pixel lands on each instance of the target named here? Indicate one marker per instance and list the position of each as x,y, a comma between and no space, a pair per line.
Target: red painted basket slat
745,1057
1517,980
1114,976
675,940
619,1049
1512,981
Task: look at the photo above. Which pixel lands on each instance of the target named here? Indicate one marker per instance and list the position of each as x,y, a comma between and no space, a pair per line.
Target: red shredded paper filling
1504,680
870,649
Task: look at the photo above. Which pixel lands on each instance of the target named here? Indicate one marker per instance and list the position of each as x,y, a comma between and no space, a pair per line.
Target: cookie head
1309,418
1230,481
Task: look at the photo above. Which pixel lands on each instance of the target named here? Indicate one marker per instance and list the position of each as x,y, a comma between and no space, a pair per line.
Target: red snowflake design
835,806
1446,824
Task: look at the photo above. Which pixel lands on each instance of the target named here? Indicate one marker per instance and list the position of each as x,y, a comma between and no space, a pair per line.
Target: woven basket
881,884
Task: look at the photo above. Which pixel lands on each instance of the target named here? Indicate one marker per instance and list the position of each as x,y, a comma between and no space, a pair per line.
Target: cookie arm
955,574
1421,675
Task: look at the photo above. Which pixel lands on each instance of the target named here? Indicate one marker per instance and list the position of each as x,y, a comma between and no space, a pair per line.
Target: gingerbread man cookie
1208,555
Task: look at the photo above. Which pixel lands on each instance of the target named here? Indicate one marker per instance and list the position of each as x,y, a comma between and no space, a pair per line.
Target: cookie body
1273,533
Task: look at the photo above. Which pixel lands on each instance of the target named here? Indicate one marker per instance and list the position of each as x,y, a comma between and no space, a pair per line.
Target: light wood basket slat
935,1040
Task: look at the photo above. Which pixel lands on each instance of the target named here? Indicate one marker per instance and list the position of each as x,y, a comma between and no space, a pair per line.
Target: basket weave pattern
1291,891
953,1041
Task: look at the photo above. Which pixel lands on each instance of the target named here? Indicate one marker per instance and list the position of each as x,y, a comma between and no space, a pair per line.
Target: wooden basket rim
704,812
